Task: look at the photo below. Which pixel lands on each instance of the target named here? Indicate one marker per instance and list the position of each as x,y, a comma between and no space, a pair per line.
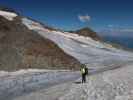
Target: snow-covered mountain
85,49
21,47
25,43
30,38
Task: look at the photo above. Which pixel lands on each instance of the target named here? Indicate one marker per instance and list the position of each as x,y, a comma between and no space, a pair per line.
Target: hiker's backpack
86,70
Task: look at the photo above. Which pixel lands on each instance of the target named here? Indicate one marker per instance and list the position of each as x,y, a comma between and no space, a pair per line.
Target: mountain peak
86,31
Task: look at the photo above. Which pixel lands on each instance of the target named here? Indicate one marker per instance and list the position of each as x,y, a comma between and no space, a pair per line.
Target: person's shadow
78,82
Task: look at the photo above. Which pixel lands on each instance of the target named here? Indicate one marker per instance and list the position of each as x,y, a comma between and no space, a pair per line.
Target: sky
75,14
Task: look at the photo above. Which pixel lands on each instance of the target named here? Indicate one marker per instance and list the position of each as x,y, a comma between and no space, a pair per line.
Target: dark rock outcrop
87,32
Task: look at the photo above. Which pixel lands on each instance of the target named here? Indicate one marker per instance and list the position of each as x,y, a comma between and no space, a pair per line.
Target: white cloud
110,26
84,18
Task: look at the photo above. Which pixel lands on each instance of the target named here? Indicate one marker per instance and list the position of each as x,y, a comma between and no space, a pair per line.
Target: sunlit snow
99,57
85,49
8,15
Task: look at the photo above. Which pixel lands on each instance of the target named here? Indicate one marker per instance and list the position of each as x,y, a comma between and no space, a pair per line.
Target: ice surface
109,85
85,49
99,56
13,84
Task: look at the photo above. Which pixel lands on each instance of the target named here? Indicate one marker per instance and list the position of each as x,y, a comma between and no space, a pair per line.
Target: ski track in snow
109,85
13,84
98,56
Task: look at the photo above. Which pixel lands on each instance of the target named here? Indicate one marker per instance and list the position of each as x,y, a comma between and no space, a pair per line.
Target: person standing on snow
84,72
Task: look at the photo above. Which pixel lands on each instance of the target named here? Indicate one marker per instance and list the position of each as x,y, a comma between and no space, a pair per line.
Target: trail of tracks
17,85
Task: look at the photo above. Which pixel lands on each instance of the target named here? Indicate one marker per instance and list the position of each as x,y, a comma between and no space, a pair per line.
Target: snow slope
8,15
109,85
85,49
100,57
13,84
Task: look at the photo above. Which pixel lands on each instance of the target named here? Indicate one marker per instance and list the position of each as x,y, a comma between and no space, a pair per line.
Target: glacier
85,49
103,82
14,84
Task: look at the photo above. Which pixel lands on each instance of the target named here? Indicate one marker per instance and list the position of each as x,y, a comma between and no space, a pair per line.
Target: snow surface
85,49
8,15
100,57
109,85
13,84
36,84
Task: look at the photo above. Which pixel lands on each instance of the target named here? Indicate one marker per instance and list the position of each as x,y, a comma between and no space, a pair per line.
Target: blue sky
74,14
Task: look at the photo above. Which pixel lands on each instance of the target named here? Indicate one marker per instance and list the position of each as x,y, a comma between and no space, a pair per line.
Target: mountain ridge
22,48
